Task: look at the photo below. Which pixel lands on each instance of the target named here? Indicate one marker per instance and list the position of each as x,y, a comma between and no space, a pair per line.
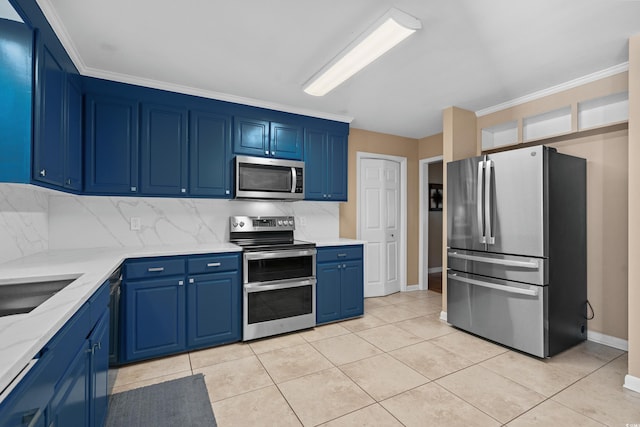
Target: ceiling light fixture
393,27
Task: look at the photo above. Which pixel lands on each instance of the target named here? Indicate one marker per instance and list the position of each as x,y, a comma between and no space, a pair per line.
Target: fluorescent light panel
387,32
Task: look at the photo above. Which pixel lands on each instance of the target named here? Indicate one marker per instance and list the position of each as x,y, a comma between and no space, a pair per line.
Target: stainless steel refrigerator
516,237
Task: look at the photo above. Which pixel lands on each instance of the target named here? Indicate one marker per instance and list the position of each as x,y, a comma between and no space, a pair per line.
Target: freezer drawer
507,267
512,314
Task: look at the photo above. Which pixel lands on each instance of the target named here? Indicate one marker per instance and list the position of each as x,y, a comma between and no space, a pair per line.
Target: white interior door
380,224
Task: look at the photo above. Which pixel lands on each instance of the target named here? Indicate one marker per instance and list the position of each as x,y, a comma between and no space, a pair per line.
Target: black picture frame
435,197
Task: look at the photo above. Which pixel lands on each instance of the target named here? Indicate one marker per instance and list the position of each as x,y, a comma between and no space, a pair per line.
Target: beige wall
379,143
435,221
607,178
634,206
430,146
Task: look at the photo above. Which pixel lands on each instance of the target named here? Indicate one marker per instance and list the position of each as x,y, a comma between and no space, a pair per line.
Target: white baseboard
435,270
443,316
412,288
632,383
614,342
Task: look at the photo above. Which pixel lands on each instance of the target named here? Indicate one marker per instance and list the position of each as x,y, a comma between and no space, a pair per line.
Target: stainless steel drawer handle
213,264
506,262
342,255
155,269
509,289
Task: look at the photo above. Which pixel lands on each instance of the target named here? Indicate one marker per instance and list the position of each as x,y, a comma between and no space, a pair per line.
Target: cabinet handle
342,255
183,190
68,181
134,188
43,172
227,192
344,265
266,152
155,269
192,280
324,195
180,282
213,264
329,195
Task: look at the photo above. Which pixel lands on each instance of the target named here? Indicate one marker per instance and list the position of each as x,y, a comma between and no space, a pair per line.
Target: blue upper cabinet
57,148
209,154
262,138
111,145
163,151
16,80
48,155
286,141
326,159
251,137
73,163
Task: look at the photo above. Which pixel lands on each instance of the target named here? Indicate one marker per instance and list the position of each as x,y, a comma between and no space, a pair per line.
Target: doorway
431,233
382,221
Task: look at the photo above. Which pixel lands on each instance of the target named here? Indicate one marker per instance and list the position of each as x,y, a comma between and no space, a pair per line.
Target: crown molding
61,31
616,69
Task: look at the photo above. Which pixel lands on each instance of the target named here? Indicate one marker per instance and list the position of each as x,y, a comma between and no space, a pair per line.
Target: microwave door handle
480,201
294,179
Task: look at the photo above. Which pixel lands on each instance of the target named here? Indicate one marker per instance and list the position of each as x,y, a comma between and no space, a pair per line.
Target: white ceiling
470,53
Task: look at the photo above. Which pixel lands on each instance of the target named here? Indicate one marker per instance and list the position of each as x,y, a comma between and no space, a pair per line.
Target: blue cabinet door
70,407
210,154
336,172
163,152
73,149
328,292
213,309
352,289
285,141
99,371
48,144
315,153
111,145
154,318
251,137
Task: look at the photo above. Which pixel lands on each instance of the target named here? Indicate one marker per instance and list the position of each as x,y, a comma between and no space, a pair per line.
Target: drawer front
339,253
154,267
213,263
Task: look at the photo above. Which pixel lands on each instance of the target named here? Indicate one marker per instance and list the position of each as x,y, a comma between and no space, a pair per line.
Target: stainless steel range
279,276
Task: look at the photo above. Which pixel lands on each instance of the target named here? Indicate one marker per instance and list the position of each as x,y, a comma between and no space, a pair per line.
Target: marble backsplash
91,221
24,226
33,219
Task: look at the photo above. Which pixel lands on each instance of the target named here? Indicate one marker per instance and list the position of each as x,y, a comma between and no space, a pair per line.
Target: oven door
281,265
271,308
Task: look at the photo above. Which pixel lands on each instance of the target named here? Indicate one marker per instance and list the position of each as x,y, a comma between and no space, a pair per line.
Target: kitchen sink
17,298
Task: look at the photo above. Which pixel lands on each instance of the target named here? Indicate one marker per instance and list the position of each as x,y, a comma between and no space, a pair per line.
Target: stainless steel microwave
267,178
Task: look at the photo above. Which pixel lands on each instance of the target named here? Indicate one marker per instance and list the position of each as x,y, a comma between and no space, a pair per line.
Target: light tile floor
399,365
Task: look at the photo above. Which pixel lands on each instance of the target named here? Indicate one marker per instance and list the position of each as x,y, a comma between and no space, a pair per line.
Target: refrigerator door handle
488,204
506,262
480,202
509,289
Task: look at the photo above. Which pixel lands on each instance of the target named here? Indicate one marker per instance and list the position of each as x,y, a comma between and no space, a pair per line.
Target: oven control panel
261,223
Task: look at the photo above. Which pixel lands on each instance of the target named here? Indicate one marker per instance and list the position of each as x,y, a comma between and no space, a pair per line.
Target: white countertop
23,335
340,242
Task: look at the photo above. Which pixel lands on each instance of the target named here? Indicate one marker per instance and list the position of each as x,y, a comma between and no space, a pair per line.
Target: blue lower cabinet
192,302
99,371
155,317
66,384
213,309
328,293
340,287
69,406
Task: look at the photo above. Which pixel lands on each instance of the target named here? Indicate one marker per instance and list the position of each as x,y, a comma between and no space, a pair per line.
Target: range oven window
266,270
265,178
279,304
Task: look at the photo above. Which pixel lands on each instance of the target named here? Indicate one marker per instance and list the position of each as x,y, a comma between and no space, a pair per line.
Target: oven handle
252,256
270,286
